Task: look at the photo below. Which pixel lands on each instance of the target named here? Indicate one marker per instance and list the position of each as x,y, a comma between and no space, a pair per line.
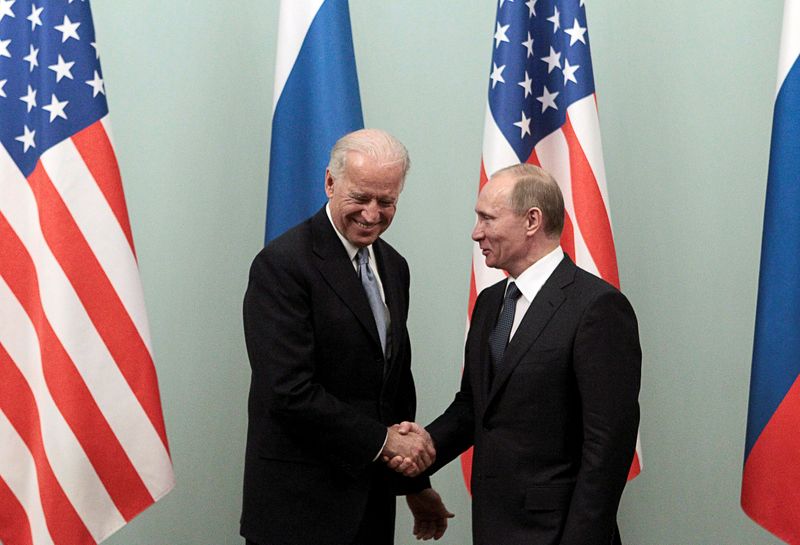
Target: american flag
83,448
542,110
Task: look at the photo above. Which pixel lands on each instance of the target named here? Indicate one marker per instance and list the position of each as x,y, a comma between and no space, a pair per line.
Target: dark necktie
370,284
498,340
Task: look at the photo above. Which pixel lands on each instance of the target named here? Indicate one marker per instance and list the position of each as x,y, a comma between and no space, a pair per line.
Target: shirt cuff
382,447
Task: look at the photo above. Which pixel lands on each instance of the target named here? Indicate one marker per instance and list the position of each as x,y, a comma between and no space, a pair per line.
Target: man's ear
328,183
533,220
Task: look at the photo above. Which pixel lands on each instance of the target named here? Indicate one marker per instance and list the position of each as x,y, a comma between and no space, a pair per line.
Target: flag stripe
15,528
292,16
104,235
63,453
89,352
590,210
97,295
22,415
790,41
771,471
94,146
68,390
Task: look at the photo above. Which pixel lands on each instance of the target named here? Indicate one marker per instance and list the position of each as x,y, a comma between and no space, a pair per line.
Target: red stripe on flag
15,528
67,388
98,296
95,148
590,209
19,406
568,238
636,466
483,177
771,472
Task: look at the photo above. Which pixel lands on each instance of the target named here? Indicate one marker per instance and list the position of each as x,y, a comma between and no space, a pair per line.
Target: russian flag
771,482
316,101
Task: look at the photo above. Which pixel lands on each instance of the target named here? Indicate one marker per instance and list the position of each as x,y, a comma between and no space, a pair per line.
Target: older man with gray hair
325,325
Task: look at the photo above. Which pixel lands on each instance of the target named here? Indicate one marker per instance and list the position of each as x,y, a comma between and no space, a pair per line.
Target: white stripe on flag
99,226
106,122
497,152
294,20
586,124
17,469
72,468
790,40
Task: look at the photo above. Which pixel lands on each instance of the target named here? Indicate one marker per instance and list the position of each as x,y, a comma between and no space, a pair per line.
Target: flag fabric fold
771,479
542,109
83,447
316,101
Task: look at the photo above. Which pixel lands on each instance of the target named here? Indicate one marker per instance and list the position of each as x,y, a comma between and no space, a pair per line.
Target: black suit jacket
322,392
555,430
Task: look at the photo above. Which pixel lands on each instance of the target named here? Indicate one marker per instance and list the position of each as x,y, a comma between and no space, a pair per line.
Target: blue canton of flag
541,62
51,85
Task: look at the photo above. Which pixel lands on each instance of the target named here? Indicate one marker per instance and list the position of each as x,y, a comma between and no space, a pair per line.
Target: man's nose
371,212
477,232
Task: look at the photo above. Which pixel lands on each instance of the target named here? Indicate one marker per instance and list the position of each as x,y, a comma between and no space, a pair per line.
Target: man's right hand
409,462
409,449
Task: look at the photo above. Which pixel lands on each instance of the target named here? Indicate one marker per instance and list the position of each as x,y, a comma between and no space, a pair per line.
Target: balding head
534,187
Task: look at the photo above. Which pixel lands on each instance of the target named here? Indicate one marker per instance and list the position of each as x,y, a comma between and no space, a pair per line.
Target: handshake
409,449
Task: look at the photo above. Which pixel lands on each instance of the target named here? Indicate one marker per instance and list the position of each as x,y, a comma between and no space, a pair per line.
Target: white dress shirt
531,281
352,250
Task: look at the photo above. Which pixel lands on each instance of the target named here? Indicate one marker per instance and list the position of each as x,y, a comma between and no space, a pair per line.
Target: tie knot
363,256
512,292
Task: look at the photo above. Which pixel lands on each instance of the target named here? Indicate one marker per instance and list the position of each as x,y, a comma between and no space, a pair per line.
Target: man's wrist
383,446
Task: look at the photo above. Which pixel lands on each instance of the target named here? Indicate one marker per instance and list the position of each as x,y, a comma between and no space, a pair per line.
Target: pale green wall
684,91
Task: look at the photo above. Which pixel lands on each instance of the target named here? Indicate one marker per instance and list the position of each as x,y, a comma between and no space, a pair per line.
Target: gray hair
535,187
374,143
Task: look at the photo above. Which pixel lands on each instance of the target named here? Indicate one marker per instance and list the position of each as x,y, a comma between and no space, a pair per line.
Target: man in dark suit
325,324
553,412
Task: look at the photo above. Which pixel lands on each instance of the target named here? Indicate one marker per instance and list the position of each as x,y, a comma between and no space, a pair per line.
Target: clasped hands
409,449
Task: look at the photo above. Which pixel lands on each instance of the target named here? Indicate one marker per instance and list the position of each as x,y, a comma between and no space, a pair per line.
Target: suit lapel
339,273
539,313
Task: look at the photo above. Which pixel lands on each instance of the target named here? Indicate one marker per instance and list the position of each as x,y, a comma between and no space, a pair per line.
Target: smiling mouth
366,226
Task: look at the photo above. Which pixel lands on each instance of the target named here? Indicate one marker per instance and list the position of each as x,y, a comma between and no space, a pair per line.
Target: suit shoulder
593,283
290,243
392,256
594,290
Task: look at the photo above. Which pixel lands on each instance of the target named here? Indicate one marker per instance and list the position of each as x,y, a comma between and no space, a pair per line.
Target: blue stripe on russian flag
319,103
776,351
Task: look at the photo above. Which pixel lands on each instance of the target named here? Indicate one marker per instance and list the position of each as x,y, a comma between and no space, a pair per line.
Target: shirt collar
533,278
349,247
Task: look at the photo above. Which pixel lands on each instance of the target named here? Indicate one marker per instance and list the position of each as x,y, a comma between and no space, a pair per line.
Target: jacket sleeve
607,366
